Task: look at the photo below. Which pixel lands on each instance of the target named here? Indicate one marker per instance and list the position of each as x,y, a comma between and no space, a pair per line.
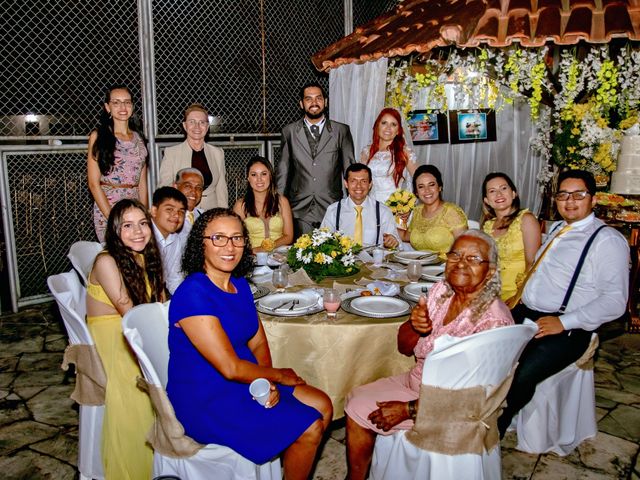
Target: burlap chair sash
585,362
167,433
91,380
460,421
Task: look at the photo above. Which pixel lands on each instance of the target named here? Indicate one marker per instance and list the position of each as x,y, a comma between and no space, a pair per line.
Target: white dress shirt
601,291
171,253
187,225
320,124
369,227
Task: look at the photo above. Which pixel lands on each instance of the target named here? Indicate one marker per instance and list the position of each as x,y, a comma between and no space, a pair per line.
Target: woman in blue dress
218,347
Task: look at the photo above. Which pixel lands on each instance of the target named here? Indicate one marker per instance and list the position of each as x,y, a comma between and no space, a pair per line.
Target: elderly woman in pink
467,302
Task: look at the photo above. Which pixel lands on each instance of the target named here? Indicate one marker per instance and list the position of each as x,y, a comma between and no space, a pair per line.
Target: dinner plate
413,291
258,291
433,273
379,305
283,303
424,257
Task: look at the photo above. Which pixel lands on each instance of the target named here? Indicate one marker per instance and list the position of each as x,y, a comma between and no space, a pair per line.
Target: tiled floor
39,423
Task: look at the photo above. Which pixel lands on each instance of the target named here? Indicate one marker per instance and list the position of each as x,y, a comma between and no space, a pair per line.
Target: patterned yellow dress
128,414
511,256
436,233
259,228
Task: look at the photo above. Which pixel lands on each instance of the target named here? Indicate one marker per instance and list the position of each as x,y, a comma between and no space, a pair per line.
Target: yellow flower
319,257
345,243
334,254
575,131
303,242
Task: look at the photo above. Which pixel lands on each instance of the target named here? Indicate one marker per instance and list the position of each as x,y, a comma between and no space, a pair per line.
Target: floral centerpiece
401,202
324,254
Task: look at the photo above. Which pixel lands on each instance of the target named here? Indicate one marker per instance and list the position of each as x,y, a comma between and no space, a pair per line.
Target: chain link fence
60,56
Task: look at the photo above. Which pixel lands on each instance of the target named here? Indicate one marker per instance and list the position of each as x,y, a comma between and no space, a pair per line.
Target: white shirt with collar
369,227
187,225
320,124
171,253
601,290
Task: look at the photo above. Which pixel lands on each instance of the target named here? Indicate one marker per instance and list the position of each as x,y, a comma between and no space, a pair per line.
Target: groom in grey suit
315,153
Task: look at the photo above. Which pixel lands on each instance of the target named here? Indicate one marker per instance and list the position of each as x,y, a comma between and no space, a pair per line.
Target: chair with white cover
562,412
484,360
473,225
70,296
82,255
146,328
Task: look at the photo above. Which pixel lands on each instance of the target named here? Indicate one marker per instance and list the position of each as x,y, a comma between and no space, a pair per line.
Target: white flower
306,259
348,259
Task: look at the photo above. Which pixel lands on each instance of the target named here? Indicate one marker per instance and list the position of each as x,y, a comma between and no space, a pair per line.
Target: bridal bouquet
401,202
324,254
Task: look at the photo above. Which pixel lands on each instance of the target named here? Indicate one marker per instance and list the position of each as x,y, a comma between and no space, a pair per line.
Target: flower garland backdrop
581,99
324,254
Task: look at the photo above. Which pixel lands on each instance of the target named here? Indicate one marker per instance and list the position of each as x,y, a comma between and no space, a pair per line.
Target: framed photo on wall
472,125
428,127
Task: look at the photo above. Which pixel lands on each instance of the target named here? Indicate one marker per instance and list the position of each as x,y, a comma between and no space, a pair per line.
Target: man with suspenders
359,216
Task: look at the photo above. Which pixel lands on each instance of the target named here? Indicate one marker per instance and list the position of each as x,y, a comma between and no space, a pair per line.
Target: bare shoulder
238,207
530,221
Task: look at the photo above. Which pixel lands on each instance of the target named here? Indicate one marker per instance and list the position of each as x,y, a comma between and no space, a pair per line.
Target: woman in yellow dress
515,230
127,273
434,223
266,214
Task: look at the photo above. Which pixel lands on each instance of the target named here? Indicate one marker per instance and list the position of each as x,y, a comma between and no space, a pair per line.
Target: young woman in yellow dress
515,230
266,214
434,223
127,273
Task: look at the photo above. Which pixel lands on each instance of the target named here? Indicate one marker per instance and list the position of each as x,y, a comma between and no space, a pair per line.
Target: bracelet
413,411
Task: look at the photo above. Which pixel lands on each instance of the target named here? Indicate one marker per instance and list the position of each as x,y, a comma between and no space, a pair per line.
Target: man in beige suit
196,153
316,152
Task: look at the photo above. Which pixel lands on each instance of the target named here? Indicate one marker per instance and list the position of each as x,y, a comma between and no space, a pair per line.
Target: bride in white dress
391,162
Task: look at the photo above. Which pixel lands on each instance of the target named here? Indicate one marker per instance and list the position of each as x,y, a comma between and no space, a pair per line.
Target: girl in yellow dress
266,214
515,230
434,223
127,273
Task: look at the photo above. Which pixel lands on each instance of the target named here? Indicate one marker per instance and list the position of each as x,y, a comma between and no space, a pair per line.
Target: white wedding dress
380,165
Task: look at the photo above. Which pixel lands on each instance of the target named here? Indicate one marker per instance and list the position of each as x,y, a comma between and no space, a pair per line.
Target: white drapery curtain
356,95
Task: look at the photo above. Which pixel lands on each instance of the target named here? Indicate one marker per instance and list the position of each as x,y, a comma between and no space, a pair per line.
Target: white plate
424,257
433,273
380,305
414,290
274,303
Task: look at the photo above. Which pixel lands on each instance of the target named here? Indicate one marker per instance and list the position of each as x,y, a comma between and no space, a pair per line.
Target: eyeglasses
119,103
191,186
222,240
563,196
455,257
199,123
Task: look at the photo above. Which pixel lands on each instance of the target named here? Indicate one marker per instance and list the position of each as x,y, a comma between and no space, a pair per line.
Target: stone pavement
39,423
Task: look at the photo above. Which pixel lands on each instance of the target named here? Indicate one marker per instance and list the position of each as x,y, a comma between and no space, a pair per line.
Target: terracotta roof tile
421,25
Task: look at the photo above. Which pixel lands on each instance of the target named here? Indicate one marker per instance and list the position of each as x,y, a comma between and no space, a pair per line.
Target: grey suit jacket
313,182
178,157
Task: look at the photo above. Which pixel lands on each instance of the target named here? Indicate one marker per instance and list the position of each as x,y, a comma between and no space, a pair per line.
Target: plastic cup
261,258
378,256
260,389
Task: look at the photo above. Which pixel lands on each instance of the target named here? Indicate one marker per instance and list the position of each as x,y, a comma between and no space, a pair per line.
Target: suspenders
377,219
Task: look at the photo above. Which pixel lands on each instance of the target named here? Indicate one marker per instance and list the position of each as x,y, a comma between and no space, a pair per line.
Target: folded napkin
311,294
261,275
387,289
365,257
343,288
300,278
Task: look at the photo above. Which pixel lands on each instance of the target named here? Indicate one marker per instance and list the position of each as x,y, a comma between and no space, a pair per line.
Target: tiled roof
417,26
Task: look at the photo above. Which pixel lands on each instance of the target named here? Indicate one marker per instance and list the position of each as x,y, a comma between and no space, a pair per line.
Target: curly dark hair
132,273
105,144
193,258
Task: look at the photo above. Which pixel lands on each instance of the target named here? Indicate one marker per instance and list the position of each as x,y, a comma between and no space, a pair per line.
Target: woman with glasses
127,273
466,302
117,157
218,347
515,230
266,214
194,152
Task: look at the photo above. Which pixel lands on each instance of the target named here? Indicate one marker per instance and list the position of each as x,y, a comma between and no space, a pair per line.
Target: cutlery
295,302
281,305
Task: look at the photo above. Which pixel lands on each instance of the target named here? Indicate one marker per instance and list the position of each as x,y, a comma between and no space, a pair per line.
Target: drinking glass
280,279
331,300
414,271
